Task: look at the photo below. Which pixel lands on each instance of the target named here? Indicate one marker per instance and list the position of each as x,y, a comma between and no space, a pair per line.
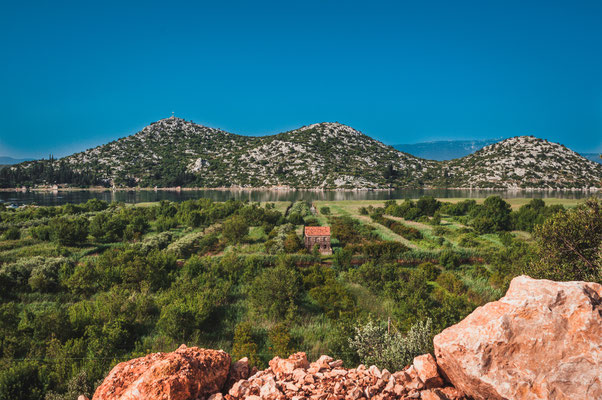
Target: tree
492,216
428,205
275,292
107,228
243,344
292,243
69,231
569,244
280,341
235,229
21,381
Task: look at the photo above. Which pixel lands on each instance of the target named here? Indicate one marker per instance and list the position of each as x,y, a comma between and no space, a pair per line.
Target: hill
173,152
522,162
442,150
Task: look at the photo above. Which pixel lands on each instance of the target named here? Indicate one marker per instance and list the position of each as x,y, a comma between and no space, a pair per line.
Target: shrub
397,227
21,381
492,216
235,229
292,243
569,244
13,233
41,232
107,227
280,341
431,270
393,351
325,210
69,231
243,344
449,259
275,292
164,223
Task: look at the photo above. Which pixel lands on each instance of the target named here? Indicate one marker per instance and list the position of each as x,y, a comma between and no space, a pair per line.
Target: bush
325,210
402,230
21,381
107,227
164,223
275,292
280,341
569,244
235,229
292,243
41,232
393,351
69,231
493,215
13,233
243,344
431,270
449,259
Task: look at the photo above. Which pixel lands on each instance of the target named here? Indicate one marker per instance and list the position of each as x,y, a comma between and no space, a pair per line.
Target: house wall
322,241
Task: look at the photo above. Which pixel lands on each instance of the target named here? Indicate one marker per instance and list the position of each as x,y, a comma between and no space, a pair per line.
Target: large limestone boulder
187,373
543,340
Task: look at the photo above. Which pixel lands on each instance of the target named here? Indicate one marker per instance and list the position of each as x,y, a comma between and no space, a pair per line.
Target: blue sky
77,74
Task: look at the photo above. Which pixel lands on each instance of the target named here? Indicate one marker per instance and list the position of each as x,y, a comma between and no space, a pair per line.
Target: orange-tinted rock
187,373
451,393
426,368
430,395
287,366
239,370
542,340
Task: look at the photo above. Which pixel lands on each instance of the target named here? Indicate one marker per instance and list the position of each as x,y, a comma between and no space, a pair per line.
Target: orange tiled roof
317,231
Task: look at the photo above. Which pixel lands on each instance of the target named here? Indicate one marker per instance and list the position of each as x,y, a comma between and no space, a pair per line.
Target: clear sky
78,74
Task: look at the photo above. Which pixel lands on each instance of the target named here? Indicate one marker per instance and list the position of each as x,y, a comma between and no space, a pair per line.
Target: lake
138,196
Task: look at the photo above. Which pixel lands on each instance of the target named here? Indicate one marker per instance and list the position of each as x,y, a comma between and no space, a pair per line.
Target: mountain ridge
327,155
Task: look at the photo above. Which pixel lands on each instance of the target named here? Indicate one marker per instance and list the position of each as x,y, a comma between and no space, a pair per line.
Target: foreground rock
295,378
187,373
543,340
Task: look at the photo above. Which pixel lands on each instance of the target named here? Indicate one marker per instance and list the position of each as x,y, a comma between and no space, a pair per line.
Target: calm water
58,198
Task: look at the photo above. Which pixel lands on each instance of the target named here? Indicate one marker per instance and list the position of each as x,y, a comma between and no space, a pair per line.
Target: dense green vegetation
85,286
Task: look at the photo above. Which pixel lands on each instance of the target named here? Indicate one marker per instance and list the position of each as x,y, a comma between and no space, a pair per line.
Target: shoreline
285,189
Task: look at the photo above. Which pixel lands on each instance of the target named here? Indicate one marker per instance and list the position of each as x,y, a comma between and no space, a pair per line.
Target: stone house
318,235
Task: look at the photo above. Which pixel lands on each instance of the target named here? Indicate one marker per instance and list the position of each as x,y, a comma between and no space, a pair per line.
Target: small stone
374,371
426,368
430,395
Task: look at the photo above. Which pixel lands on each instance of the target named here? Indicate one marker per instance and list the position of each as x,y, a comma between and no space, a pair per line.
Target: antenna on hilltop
172,114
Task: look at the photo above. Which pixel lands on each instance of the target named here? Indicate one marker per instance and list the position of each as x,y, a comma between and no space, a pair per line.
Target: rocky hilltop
174,152
543,340
523,162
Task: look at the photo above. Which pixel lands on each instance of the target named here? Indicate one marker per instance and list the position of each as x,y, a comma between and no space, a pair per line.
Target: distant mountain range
442,150
174,152
5,160
592,157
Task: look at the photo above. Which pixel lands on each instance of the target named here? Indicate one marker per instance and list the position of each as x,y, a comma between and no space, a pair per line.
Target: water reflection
58,198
